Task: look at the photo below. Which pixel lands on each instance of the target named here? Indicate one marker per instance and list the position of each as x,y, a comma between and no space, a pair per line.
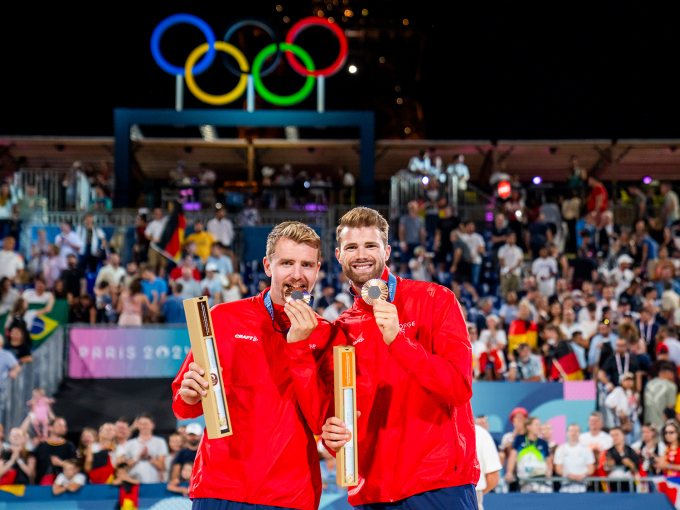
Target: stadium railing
45,372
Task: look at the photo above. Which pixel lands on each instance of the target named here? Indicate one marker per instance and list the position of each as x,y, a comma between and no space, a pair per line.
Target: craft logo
358,340
246,337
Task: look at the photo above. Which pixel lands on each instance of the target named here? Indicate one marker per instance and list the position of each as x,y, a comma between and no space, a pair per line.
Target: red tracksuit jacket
416,431
271,458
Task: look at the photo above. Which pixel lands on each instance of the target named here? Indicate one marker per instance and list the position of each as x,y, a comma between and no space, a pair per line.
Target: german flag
522,332
128,498
102,470
565,363
172,239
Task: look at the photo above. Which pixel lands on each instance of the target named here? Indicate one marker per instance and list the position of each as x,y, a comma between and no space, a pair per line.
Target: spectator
421,265
604,335
526,367
51,454
154,288
235,289
190,287
131,303
140,250
132,272
621,460
100,456
38,296
39,253
106,300
188,262
74,279
660,393
153,233
88,437
123,479
523,329
92,244
123,432
8,295
531,456
202,239
411,233
499,236
111,272
11,263
218,257
648,448
101,202
185,456
83,310
578,345
211,286
670,212
9,365
341,302
510,258
596,439
249,217
574,462
196,261
146,453
19,345
16,316
537,235
509,309
461,266
174,446
617,365
544,268
571,211
221,227
622,276
518,418
476,246
489,464
442,238
68,241
647,325
17,466
52,266
669,464
173,308
70,479
623,403
598,201
8,208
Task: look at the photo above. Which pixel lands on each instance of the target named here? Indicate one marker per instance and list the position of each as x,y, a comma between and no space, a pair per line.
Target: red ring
307,22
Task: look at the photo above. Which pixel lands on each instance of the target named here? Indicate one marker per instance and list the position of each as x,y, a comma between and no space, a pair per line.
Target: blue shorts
225,504
463,497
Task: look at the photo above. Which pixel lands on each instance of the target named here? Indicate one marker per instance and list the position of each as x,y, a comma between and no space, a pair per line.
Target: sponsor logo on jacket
411,324
246,337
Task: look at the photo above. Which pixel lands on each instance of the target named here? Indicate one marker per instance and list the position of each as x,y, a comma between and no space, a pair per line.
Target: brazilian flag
44,325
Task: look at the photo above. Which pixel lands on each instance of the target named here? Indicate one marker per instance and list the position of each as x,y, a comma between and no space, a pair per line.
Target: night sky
492,71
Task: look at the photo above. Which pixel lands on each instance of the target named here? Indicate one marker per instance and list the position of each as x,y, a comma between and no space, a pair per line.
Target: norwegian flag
671,488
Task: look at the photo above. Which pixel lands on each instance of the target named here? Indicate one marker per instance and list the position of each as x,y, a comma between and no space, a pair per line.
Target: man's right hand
334,433
193,385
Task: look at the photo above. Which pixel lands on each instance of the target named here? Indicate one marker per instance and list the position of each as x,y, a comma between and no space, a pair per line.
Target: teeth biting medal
375,289
297,293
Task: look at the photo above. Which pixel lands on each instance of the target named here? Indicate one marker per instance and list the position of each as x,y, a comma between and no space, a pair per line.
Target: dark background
489,71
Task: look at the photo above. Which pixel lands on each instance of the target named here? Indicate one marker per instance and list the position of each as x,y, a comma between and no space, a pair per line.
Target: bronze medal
297,293
374,289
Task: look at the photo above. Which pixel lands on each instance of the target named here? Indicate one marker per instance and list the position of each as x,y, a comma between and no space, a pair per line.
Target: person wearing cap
341,302
221,227
193,432
624,405
517,417
211,286
622,275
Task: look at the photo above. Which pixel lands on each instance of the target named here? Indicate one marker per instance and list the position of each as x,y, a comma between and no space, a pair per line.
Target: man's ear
267,267
388,252
337,254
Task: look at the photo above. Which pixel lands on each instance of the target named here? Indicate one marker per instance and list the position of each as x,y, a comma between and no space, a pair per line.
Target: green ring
272,98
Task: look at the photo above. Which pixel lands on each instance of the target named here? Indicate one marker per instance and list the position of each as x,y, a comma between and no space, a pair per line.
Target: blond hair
363,217
295,231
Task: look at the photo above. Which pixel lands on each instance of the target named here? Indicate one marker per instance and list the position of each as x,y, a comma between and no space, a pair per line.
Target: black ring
260,24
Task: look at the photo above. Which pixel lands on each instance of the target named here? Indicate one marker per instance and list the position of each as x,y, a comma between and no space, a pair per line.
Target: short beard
360,279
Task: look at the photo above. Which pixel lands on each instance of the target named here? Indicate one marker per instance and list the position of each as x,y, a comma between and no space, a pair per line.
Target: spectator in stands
83,310
9,365
235,289
421,265
531,456
442,238
8,209
670,212
16,316
146,453
617,365
68,241
111,272
202,239
101,202
88,437
574,462
131,303
140,250
518,418
185,456
221,227
596,439
123,431
477,247
11,263
341,302
526,367
19,345
598,201
624,406
647,325
74,278
132,271
52,266
174,446
17,464
188,262
538,235
39,295
154,288
489,464
648,448
153,233
604,335
51,454
190,287
211,286
411,233
92,244
106,302
99,457
621,460
190,252
510,258
70,479
660,393
173,308
250,216
499,236
218,257
509,309
669,464
544,268
8,295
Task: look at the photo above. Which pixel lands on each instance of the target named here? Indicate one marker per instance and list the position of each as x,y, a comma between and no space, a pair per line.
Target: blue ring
176,19
270,32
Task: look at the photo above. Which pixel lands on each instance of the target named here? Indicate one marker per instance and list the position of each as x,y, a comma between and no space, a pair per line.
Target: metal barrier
637,484
45,372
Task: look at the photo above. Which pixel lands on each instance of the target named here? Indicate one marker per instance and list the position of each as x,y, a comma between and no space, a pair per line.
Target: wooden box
204,348
347,465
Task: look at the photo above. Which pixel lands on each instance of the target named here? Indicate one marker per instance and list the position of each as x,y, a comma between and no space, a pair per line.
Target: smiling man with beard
266,348
416,435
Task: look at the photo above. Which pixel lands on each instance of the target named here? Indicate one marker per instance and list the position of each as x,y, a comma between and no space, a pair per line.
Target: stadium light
537,180
426,180
352,69
647,179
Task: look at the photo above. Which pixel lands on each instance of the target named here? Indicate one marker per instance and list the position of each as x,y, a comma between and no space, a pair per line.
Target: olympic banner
114,353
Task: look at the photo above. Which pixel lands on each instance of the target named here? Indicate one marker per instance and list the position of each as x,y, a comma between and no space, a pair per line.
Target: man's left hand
303,321
387,318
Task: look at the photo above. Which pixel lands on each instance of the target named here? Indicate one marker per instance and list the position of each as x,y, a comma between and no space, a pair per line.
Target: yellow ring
210,98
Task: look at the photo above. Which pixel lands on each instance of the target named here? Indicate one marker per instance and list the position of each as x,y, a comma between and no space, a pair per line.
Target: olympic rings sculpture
207,51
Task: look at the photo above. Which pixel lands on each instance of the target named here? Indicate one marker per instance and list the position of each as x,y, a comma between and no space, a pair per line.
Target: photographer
421,265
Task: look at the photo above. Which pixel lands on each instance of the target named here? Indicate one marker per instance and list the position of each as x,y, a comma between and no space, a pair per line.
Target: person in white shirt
111,272
221,227
153,232
146,453
597,440
622,275
68,241
489,464
70,479
93,241
568,325
511,258
574,461
11,263
477,246
607,300
624,405
545,269
38,295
